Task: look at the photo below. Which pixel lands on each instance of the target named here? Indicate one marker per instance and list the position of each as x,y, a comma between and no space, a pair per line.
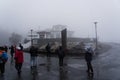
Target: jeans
33,61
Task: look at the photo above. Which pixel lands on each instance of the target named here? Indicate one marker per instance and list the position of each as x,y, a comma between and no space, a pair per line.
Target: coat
61,53
3,57
12,49
19,56
88,56
33,51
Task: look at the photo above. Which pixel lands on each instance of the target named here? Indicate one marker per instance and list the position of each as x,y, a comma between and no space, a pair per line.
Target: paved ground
106,67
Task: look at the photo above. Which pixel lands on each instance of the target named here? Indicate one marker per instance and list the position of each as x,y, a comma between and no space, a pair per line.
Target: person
61,55
6,48
3,60
18,59
48,50
33,54
88,58
20,45
12,50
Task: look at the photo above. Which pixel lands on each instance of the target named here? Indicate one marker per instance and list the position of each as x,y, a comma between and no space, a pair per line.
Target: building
54,32
44,34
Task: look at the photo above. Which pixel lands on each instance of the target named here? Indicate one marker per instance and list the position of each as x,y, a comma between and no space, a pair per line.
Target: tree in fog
15,38
26,40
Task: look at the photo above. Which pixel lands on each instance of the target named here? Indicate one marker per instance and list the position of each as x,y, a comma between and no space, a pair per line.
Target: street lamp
96,35
31,37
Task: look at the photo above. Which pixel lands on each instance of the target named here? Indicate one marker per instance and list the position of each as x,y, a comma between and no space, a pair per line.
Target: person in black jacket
6,48
48,50
33,54
12,51
61,55
88,58
20,45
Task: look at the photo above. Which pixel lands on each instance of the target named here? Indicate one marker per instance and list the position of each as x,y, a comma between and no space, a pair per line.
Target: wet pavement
106,67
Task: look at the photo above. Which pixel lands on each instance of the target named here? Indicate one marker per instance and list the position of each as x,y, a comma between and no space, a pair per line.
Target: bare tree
15,38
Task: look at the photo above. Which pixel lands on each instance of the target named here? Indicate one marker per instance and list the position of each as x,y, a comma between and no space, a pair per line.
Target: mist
22,15
4,37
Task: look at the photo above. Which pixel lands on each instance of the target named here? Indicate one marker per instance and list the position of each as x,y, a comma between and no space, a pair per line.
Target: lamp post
96,35
98,65
31,37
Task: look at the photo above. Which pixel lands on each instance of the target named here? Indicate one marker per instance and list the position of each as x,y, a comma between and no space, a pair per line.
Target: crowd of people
16,53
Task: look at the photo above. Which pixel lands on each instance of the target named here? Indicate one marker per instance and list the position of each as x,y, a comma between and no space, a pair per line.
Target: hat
18,48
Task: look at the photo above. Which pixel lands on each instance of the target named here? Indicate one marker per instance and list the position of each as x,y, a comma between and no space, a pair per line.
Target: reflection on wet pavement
48,64
63,73
105,68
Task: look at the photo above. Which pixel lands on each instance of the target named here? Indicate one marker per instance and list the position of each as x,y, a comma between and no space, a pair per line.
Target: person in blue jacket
3,60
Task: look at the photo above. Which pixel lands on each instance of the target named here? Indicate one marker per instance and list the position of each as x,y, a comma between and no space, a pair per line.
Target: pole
31,37
98,66
96,35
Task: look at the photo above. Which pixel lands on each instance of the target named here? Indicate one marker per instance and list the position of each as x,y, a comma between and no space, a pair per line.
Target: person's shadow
90,76
63,74
34,73
12,60
48,64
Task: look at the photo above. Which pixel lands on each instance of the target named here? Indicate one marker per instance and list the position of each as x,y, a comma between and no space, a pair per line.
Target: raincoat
19,56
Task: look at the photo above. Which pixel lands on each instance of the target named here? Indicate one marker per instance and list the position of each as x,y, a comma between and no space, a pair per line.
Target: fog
79,15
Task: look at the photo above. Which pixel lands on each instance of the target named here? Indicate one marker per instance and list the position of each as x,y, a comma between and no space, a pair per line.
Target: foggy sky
79,15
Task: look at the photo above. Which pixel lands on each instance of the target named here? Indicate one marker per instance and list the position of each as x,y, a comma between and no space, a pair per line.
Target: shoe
19,71
91,73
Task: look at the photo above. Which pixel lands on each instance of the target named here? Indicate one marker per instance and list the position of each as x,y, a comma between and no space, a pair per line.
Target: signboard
32,35
64,39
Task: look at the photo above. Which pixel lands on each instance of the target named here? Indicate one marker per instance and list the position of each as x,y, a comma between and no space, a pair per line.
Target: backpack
4,57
